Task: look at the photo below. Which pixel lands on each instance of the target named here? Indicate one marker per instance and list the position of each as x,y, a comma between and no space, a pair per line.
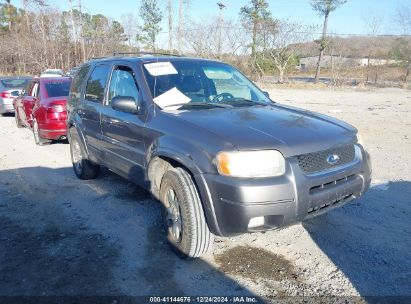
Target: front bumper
230,203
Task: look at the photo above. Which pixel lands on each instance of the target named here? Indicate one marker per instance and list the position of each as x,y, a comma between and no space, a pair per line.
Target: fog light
256,222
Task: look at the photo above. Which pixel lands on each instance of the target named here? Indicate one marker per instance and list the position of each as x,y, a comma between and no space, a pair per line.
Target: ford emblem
333,159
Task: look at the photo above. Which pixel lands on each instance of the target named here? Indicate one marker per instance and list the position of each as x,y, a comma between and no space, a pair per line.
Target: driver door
122,133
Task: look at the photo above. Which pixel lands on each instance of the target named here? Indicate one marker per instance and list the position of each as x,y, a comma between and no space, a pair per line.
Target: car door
123,132
89,110
28,104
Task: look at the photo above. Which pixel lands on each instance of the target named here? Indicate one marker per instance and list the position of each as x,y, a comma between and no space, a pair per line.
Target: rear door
90,109
123,132
28,104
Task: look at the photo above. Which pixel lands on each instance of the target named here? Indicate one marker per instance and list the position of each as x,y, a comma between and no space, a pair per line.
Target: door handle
107,121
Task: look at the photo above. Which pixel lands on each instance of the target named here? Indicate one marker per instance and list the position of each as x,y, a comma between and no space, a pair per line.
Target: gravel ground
62,236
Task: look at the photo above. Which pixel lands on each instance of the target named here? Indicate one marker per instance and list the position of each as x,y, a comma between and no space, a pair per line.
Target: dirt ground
62,236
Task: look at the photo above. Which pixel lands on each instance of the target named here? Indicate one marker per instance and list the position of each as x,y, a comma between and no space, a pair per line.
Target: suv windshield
195,83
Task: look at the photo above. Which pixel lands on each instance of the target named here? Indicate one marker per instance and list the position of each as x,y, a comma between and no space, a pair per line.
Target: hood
291,131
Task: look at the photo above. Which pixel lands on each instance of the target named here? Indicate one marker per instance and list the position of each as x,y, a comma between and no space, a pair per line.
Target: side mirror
266,94
125,104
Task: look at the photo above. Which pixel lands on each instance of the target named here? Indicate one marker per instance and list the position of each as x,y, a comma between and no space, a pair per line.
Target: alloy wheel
173,216
76,154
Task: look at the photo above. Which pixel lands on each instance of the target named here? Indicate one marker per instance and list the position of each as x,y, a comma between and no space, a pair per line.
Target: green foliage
255,17
8,15
324,7
256,11
151,15
284,59
401,51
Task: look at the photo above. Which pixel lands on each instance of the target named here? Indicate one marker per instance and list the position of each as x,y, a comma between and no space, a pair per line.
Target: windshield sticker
172,99
160,68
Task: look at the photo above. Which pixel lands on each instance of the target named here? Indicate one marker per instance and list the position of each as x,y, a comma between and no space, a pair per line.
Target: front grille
317,161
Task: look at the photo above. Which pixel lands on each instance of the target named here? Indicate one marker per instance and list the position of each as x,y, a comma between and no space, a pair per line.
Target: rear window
14,83
57,89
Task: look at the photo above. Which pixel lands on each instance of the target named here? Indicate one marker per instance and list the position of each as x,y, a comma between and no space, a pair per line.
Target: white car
10,88
52,73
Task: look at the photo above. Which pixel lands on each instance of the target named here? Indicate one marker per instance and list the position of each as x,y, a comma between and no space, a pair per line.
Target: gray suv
220,156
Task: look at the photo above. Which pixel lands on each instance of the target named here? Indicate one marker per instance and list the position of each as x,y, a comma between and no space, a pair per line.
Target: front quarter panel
168,135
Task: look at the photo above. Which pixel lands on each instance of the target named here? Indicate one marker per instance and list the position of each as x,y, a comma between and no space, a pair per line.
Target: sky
348,19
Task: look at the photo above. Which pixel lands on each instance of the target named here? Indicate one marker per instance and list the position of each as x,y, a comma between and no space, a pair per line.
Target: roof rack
145,53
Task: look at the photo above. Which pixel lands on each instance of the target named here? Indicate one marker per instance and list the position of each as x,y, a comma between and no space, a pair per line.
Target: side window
78,80
122,83
96,83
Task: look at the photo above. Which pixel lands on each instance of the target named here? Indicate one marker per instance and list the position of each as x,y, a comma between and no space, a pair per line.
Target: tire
17,119
40,141
83,168
183,215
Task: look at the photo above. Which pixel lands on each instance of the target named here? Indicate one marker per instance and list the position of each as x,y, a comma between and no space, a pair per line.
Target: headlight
265,163
360,140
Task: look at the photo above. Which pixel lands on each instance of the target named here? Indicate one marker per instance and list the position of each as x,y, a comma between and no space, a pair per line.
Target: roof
53,79
150,58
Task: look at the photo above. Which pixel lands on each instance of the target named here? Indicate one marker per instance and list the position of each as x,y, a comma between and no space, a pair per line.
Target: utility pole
170,25
221,6
83,45
74,30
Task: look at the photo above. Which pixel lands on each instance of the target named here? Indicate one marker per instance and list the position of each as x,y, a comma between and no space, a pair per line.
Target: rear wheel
183,215
40,141
83,168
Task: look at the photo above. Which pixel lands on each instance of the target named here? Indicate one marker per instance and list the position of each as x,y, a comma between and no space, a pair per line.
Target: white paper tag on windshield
160,68
171,100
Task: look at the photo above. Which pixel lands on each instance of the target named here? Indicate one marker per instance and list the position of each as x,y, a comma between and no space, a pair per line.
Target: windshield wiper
201,104
244,100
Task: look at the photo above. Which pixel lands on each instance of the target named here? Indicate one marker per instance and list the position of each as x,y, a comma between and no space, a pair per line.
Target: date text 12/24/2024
205,299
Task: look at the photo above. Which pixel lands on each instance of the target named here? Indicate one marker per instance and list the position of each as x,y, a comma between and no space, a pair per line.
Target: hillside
358,46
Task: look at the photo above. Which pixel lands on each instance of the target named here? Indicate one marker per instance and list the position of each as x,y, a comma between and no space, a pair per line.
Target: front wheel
83,168
183,215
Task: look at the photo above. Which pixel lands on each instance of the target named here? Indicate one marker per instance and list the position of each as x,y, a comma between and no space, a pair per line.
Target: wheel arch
72,126
160,163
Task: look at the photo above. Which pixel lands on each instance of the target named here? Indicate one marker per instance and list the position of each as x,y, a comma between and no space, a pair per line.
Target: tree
284,40
402,47
151,16
401,51
373,23
324,8
203,38
8,14
130,25
170,25
254,16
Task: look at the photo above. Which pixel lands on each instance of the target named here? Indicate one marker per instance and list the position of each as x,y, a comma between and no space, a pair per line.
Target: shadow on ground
370,240
62,236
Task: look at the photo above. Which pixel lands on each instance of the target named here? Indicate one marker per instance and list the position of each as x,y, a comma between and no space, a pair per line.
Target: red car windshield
57,89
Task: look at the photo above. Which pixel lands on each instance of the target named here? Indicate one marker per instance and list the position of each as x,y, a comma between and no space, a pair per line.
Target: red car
42,107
